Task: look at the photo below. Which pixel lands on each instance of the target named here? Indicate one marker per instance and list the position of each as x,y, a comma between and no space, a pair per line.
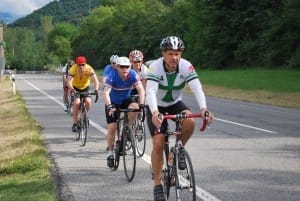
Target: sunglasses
81,64
124,67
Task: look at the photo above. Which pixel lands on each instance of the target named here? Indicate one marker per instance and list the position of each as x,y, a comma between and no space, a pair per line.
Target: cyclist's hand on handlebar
141,106
110,109
97,95
73,91
157,119
209,116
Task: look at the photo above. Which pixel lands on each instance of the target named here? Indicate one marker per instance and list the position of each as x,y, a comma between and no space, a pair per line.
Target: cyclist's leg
157,159
88,103
188,125
65,97
110,138
132,115
130,103
75,113
158,141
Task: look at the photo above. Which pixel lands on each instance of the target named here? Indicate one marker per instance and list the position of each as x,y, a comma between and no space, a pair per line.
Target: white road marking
247,126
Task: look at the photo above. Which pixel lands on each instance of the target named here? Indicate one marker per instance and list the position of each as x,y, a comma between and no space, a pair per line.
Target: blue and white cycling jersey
121,89
107,70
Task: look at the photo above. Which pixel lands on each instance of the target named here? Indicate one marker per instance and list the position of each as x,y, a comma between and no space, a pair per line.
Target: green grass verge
25,171
253,79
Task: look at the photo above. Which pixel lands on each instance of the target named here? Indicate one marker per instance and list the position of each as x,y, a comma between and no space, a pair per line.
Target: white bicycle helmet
113,58
123,61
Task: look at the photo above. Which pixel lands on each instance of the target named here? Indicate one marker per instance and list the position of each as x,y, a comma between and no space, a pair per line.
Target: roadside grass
271,87
25,171
287,81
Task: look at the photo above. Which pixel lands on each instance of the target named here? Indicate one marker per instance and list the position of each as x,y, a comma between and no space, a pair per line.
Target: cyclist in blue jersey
117,89
109,67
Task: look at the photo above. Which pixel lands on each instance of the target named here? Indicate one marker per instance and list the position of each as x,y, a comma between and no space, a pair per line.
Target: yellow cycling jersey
81,80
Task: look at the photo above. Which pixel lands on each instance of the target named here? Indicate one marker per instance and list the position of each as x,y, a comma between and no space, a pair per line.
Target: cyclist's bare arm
106,92
95,81
140,89
69,83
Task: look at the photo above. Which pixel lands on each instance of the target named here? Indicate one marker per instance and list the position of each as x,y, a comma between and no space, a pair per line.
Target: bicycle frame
83,121
183,180
125,139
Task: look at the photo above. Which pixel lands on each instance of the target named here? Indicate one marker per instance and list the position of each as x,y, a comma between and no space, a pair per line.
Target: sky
21,8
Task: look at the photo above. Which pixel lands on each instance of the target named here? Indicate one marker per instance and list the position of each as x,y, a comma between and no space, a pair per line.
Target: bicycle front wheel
140,137
83,129
185,180
129,153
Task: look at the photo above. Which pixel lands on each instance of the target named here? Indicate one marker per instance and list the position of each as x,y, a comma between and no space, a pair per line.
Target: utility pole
2,61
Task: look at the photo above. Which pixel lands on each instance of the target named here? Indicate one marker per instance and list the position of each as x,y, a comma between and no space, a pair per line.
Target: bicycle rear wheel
83,129
140,137
129,153
185,180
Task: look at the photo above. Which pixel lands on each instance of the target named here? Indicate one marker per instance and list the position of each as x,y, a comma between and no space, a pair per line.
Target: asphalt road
251,152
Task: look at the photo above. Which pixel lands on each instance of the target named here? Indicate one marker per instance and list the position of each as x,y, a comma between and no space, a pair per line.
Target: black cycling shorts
115,116
173,109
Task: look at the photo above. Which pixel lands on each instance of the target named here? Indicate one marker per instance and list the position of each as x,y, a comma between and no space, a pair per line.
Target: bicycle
138,129
83,120
125,144
182,179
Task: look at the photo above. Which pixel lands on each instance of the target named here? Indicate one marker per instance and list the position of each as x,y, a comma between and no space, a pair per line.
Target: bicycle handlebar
128,110
180,116
86,93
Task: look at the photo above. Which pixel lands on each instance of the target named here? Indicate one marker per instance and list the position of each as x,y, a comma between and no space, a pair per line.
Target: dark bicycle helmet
172,43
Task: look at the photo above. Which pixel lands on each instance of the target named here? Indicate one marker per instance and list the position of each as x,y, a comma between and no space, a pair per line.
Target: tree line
218,34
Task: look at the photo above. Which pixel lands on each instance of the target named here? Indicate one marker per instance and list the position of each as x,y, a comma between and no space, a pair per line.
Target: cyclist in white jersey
166,80
136,59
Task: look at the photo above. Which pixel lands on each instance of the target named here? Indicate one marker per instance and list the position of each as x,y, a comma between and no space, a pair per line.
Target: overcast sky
21,8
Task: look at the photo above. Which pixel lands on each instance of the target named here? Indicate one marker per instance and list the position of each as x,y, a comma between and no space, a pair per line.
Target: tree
59,40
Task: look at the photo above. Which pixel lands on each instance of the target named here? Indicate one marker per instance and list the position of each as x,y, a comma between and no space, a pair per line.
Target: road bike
125,144
173,175
83,120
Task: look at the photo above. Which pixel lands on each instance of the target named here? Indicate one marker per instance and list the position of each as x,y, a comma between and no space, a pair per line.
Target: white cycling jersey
165,89
143,72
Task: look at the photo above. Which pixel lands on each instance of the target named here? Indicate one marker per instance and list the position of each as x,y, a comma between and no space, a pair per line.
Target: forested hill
72,11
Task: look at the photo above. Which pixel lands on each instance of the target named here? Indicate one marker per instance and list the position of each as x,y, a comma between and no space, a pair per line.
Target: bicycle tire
117,155
84,126
140,137
129,153
185,186
117,147
77,134
167,181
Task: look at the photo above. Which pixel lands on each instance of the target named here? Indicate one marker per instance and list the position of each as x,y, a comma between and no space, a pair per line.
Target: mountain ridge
71,11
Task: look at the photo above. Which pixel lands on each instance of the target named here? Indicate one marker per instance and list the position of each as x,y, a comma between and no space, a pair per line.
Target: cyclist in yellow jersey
80,76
